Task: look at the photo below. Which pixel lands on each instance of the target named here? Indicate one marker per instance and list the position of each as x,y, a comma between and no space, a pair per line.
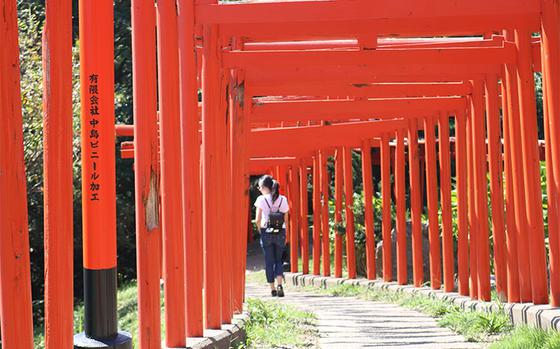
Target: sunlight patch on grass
525,337
274,325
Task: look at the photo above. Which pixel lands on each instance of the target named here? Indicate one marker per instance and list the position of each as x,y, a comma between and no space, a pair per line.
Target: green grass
127,313
273,325
473,325
524,337
257,277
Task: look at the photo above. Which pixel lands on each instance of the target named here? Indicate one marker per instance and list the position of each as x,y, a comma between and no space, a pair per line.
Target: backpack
275,219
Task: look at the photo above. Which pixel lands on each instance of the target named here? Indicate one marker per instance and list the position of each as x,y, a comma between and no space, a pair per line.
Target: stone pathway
348,322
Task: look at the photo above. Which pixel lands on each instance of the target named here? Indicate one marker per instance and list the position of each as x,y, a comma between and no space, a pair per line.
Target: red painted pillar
368,208
57,164
496,188
316,216
338,192
431,180
480,191
98,175
245,109
283,180
225,206
550,47
211,92
511,232
445,192
146,172
517,180
402,277
239,182
386,214
171,189
462,200
349,204
295,215
15,279
531,167
554,244
304,220
473,286
415,203
324,178
190,145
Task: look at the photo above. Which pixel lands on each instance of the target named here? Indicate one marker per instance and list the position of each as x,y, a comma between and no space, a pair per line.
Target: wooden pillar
58,185
431,180
239,180
415,203
146,172
316,216
211,92
445,192
295,218
531,167
462,200
245,112
190,145
386,214
511,232
225,206
338,192
171,185
495,159
15,279
349,204
303,219
550,49
402,266
368,209
517,181
325,229
480,191
473,285
98,175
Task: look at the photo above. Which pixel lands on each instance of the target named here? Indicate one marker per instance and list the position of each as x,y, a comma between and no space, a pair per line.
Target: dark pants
273,247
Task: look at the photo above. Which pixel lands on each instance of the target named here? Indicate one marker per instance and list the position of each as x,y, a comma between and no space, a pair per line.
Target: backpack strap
265,200
270,208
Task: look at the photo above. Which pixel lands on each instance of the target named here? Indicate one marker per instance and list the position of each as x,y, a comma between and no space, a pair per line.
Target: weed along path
350,322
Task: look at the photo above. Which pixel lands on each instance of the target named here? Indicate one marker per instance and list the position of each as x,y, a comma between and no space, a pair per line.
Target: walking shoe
280,291
274,293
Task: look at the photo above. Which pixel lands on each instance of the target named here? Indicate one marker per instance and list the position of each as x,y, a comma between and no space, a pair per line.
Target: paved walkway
347,322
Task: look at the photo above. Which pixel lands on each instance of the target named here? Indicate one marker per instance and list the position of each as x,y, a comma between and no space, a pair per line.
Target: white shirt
281,204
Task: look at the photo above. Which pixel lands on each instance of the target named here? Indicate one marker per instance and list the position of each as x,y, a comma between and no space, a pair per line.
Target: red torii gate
360,20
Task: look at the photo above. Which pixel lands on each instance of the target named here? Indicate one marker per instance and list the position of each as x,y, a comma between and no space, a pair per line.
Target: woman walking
272,214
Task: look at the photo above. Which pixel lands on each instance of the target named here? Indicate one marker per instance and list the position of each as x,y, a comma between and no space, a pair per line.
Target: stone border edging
541,316
229,336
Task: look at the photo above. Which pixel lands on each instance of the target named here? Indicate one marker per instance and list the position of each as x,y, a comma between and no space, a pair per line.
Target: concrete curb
540,316
229,336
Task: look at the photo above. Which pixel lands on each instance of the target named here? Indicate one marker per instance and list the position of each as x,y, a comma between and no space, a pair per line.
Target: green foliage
258,277
273,325
528,338
345,291
476,326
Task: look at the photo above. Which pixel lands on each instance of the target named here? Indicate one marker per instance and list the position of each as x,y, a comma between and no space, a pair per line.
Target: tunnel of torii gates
285,86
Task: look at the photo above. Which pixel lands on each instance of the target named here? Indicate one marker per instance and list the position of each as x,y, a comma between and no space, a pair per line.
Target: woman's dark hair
267,181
